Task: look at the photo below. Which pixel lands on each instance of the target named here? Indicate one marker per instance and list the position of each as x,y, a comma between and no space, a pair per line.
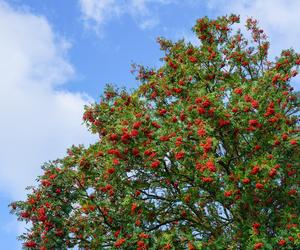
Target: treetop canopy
203,155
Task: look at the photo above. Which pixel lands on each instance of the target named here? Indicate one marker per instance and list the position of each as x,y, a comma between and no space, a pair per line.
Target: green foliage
203,155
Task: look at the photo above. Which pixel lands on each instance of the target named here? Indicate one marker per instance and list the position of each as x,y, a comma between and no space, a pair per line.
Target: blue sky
58,55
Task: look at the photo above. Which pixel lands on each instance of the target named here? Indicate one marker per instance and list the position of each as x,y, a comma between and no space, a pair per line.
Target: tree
203,155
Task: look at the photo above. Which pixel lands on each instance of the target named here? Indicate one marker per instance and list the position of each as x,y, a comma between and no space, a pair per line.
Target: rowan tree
203,155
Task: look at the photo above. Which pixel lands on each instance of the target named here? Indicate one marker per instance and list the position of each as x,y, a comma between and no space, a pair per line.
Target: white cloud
38,122
97,13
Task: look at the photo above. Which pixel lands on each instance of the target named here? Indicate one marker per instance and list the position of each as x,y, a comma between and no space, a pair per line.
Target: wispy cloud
96,13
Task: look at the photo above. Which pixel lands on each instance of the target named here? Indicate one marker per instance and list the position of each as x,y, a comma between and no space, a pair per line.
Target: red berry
246,180
282,242
155,164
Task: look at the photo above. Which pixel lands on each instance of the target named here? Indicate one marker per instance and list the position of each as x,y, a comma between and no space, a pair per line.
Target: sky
58,55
